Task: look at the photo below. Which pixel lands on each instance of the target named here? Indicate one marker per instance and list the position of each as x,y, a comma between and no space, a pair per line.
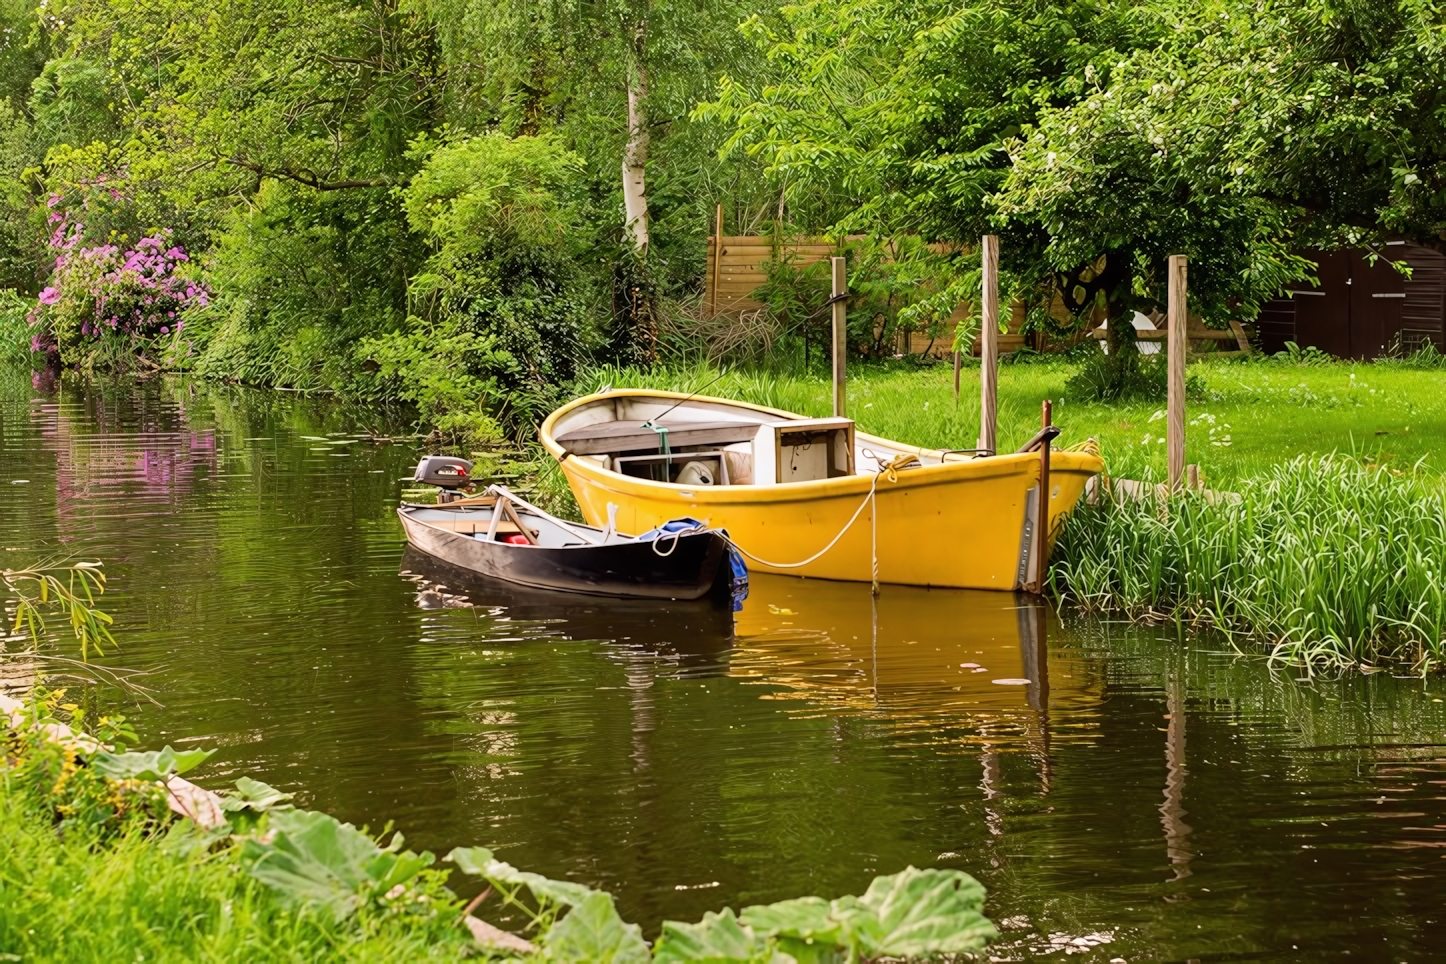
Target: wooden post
1177,344
717,263
989,344
958,363
1041,530
840,337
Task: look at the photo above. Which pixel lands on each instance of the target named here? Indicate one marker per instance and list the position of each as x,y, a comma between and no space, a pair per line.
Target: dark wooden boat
503,537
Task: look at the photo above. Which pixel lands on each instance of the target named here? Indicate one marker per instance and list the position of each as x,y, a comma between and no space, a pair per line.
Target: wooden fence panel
735,272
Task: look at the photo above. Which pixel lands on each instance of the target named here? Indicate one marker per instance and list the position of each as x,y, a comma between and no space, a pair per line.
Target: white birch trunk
635,154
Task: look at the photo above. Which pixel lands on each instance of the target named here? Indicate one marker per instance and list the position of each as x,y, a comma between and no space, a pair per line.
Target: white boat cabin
714,443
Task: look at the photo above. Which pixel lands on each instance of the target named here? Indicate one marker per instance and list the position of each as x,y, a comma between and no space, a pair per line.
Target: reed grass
1323,560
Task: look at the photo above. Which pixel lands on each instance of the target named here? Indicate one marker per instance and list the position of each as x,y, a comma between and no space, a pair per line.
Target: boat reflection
908,652
696,634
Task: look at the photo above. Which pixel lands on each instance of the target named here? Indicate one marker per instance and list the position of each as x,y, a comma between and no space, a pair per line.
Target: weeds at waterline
1325,561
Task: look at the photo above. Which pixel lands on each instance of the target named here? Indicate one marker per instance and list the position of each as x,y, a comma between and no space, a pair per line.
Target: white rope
833,542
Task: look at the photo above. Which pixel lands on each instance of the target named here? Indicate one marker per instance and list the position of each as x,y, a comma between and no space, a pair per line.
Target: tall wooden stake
717,262
958,363
840,337
1178,344
1041,530
989,344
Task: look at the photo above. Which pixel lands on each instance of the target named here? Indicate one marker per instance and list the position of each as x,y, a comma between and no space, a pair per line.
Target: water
1138,799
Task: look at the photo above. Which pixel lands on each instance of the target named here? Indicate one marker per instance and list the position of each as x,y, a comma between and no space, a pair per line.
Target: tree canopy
331,166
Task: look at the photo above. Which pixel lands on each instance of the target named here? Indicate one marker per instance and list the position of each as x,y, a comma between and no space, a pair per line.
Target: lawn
1249,416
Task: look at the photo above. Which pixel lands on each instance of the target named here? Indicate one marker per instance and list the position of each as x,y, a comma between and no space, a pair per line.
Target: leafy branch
70,590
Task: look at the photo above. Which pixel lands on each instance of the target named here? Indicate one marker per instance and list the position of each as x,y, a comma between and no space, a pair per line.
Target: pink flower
49,296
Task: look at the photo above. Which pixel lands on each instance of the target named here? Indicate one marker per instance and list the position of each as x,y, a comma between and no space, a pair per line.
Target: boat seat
612,437
477,527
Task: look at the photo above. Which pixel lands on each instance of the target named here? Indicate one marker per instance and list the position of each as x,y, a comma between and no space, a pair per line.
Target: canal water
1122,795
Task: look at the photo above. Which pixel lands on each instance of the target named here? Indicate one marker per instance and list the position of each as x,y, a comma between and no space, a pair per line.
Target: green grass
84,896
1325,560
1251,416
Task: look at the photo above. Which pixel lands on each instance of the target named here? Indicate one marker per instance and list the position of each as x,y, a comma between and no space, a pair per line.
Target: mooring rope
889,470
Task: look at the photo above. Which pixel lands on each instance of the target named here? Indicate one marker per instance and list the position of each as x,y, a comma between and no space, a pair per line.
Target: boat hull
961,524
689,571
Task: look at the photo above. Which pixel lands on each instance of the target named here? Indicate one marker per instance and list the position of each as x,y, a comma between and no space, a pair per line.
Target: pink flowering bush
108,298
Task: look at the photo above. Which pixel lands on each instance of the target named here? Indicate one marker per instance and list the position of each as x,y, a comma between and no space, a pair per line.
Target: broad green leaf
470,860
716,939
479,862
254,795
916,913
151,765
804,917
592,932
802,928
315,859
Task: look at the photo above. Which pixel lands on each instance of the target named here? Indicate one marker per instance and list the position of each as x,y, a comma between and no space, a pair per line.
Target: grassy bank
1325,561
1248,417
98,867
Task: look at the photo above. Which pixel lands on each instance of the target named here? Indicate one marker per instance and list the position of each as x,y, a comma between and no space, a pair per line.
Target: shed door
1377,293
1323,313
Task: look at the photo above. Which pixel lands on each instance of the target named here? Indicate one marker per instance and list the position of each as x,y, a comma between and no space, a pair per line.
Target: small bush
1124,375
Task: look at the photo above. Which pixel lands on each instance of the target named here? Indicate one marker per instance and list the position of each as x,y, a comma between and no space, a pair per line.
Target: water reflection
691,635
908,653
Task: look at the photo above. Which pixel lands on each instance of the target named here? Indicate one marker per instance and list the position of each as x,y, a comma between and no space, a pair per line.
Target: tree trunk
635,154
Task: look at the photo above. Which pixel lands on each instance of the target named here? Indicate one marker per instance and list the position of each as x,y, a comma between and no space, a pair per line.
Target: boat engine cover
443,471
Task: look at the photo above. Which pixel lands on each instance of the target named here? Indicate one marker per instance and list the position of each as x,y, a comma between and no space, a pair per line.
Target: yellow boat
811,496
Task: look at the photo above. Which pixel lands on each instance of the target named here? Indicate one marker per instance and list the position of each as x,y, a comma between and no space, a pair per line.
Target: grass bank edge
1323,561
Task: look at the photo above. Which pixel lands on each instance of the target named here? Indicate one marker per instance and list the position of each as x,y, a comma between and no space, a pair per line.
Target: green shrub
497,322
1123,375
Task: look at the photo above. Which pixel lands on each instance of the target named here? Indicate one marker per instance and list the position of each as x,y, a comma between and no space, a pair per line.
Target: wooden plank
752,252
717,251
470,527
1239,331
613,437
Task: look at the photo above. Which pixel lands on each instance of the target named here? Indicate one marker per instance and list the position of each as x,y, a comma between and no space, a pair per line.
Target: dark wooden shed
1360,309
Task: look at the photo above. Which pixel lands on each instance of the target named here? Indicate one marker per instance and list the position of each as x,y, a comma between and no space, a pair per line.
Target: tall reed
1324,560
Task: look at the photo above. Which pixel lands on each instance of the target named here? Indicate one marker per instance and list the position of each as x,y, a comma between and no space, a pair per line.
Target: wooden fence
735,272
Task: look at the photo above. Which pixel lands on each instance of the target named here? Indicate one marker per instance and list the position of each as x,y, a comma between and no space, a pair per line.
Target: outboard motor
445,472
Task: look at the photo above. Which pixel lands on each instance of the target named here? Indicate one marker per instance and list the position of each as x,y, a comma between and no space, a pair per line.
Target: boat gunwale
945,473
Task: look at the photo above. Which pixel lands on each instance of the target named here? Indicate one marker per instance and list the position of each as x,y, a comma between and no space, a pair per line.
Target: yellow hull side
955,525
937,526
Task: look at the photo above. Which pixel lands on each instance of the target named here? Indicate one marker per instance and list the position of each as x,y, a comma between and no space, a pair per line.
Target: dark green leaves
312,858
